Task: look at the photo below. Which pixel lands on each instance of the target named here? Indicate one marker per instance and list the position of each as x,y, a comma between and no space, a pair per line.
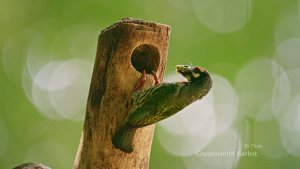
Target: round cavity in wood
145,57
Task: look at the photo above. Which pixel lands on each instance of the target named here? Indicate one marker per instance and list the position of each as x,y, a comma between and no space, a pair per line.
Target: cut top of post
150,26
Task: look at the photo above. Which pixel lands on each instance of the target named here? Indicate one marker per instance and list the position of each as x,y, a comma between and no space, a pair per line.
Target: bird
32,166
161,101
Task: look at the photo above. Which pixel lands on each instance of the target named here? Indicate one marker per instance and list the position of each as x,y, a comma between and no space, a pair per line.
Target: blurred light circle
287,95
290,118
68,88
294,81
39,91
290,140
50,153
37,54
227,143
189,130
281,95
223,16
265,107
223,99
287,53
243,129
76,41
267,134
288,26
254,83
4,138
225,103
42,78
189,120
27,84
60,89
194,126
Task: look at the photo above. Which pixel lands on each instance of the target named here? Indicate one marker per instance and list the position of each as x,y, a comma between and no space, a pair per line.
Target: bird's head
192,73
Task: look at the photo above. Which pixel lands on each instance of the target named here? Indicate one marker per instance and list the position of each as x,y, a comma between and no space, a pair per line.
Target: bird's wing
148,104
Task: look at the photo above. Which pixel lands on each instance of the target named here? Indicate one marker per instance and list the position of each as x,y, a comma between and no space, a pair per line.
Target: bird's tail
123,138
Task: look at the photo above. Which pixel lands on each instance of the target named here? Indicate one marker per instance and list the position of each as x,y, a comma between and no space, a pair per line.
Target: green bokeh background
25,133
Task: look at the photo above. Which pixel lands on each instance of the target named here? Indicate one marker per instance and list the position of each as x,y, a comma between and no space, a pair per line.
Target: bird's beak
179,69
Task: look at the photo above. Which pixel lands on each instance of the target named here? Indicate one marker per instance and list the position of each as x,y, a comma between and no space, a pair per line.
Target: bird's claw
142,80
155,78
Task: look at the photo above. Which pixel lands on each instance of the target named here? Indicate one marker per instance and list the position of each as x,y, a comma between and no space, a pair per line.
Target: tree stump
124,50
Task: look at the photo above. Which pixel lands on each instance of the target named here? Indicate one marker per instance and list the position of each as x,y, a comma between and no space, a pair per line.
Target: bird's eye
196,70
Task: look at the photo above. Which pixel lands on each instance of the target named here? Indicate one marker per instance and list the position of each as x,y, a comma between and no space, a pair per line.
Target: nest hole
145,57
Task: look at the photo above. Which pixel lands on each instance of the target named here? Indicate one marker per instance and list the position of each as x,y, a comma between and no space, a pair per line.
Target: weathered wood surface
124,50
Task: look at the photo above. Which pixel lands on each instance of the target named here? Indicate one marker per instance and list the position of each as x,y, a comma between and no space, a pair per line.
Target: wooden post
124,50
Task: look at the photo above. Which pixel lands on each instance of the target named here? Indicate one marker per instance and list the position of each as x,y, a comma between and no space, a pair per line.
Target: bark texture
124,50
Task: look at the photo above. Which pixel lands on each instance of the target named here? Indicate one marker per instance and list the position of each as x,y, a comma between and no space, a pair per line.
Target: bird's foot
155,78
142,81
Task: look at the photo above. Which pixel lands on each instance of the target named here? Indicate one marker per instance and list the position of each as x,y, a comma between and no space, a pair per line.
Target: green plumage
161,101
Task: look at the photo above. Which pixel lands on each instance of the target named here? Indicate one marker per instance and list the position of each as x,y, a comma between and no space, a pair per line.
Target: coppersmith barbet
161,101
